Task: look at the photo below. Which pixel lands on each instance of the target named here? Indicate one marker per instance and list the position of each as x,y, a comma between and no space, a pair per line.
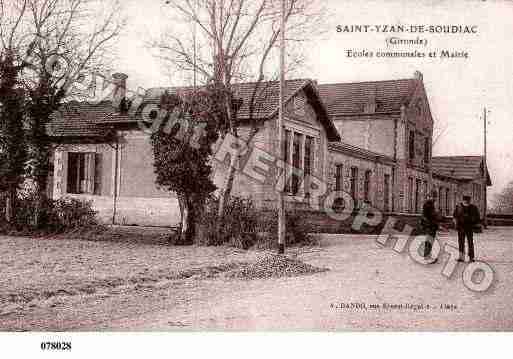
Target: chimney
418,75
119,81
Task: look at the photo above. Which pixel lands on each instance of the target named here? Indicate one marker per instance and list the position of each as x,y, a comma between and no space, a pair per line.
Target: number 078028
55,345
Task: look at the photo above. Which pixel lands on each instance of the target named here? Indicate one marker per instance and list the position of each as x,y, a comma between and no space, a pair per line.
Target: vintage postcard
255,165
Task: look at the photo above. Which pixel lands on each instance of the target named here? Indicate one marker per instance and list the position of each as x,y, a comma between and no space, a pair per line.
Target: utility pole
485,222
194,47
281,209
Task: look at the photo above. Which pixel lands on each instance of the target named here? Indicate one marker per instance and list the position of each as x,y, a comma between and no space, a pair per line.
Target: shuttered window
286,158
417,195
354,183
386,192
299,153
307,162
296,158
410,194
84,173
411,147
367,185
440,199
447,202
339,177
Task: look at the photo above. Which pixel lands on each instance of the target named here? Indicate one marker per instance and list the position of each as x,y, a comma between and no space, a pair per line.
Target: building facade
371,140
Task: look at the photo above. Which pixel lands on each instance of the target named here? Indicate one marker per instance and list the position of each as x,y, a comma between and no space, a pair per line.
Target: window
339,176
386,192
296,162
354,180
447,202
286,146
412,145
410,194
299,154
425,191
84,173
308,163
476,192
286,158
440,198
366,185
417,195
426,150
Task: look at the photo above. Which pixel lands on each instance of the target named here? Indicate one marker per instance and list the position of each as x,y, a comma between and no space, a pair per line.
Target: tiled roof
81,119
84,119
266,95
459,167
346,99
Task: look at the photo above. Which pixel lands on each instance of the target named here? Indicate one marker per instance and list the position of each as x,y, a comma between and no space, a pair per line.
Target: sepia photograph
190,167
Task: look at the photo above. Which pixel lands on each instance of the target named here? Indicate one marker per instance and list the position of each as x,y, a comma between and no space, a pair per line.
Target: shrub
71,213
59,215
297,229
237,227
245,226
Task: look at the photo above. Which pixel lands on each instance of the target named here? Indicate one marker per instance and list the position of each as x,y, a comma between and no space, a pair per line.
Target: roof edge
360,152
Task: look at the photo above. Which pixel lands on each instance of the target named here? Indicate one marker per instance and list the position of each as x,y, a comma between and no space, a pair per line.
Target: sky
458,89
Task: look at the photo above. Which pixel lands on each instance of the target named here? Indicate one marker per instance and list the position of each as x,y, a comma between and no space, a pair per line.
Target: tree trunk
187,221
190,225
10,205
41,196
228,185
227,190
225,194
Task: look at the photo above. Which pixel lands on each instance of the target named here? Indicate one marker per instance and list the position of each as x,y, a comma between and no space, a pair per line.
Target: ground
69,284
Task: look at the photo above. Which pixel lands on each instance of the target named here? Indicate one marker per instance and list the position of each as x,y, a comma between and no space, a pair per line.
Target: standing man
430,223
466,216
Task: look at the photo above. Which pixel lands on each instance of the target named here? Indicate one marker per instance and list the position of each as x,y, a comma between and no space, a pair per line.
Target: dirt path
361,272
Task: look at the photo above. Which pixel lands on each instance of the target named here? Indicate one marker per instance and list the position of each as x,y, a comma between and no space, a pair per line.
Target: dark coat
430,220
466,216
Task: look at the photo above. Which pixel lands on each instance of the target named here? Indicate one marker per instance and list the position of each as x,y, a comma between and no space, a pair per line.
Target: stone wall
374,133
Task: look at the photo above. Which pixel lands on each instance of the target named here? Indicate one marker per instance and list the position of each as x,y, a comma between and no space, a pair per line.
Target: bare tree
231,41
60,41
503,202
439,132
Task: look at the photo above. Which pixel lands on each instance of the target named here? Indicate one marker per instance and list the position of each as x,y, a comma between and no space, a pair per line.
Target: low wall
500,219
320,222
164,212
142,211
